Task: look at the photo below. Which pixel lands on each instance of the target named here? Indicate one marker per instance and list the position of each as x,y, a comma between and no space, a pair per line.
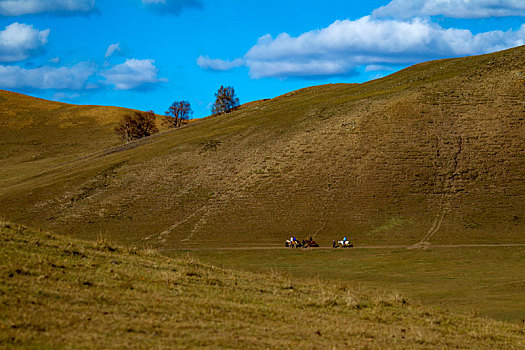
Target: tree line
143,124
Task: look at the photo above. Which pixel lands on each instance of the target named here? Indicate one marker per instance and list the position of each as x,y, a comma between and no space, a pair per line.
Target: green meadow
485,281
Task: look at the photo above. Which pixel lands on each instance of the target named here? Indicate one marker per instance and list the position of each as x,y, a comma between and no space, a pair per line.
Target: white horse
292,244
345,244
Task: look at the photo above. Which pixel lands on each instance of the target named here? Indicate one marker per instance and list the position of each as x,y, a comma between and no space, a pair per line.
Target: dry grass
56,292
433,151
36,134
379,161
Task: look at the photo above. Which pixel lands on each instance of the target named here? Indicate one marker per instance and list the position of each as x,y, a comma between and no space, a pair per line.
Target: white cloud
218,64
129,75
25,7
64,78
309,68
63,96
377,68
132,74
112,49
452,8
344,45
18,41
55,60
174,7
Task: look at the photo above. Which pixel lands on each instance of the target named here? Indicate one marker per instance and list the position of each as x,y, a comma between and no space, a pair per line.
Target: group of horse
294,243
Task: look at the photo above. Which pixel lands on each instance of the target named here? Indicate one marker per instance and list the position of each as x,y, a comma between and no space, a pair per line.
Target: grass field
384,160
37,134
481,280
61,293
433,154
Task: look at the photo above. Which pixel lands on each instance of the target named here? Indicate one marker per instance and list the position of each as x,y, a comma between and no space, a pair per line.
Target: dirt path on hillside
440,246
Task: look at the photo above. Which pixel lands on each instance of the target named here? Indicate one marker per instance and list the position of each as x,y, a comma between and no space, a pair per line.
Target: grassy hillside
434,153
36,134
57,292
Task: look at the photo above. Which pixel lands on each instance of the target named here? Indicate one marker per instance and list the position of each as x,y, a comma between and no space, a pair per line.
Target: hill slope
36,134
434,153
56,292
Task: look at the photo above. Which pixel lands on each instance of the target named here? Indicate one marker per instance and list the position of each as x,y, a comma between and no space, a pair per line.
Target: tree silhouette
225,100
136,126
177,112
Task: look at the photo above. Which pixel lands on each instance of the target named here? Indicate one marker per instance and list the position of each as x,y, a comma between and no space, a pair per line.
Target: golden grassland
433,152
36,134
58,292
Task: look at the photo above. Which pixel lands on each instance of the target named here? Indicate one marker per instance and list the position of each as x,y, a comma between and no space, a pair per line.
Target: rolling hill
434,153
37,134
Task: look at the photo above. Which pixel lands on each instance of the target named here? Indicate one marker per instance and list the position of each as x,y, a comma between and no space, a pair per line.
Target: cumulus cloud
218,64
27,7
452,8
174,7
132,74
113,48
63,78
18,41
303,68
345,45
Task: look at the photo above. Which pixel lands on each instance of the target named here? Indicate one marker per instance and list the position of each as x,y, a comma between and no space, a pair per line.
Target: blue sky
146,54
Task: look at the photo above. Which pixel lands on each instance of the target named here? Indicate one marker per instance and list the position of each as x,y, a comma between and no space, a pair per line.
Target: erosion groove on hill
434,153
